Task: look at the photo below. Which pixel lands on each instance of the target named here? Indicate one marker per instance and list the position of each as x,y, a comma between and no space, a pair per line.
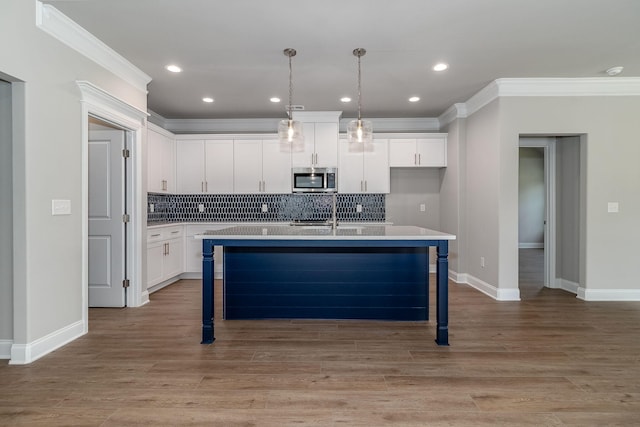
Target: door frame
548,143
100,104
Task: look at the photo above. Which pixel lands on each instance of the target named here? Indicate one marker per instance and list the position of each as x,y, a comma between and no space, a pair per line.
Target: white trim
608,294
55,23
100,103
593,86
456,111
5,349
567,285
511,294
409,124
531,245
588,86
22,354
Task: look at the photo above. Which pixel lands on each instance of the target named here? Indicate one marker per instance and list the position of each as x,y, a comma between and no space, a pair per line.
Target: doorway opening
551,206
6,220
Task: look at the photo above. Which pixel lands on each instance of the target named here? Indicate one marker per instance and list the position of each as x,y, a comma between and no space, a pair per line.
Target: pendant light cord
359,86
289,54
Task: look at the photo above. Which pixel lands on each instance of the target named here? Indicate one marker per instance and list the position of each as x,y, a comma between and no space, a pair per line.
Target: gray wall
531,192
609,250
568,209
411,187
47,148
6,215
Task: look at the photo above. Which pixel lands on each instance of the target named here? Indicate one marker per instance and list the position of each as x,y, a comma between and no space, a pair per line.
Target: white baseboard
567,285
5,349
22,354
608,294
198,275
161,285
144,298
531,245
486,288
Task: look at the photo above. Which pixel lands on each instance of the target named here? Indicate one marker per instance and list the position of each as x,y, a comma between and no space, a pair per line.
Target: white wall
531,201
6,217
47,147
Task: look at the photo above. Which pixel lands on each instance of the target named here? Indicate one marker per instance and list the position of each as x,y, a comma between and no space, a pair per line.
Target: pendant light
290,131
360,131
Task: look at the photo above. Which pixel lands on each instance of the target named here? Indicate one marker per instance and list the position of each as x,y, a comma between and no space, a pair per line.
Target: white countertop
321,232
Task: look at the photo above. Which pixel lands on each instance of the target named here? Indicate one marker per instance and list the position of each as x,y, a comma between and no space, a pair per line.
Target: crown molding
407,124
109,106
55,23
595,86
456,111
220,125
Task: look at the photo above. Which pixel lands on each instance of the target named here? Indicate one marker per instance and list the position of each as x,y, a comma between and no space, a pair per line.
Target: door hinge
126,218
125,283
126,153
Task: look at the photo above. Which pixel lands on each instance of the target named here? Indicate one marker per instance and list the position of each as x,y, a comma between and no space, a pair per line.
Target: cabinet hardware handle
167,248
155,235
365,186
206,186
202,186
164,185
174,232
419,158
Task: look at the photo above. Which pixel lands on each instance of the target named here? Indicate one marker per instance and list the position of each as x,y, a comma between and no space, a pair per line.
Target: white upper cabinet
364,168
261,167
425,150
320,139
204,166
161,168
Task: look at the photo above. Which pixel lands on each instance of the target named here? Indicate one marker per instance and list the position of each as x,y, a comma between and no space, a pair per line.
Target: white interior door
107,244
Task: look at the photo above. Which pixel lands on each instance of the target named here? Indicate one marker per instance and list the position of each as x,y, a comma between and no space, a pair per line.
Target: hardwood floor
551,360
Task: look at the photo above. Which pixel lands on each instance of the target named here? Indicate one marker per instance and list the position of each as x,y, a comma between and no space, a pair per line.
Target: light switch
60,207
613,207
423,207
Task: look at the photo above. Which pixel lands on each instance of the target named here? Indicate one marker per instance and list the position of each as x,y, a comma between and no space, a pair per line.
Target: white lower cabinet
193,250
165,255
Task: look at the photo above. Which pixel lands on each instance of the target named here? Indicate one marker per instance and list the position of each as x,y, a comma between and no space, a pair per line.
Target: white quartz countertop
322,232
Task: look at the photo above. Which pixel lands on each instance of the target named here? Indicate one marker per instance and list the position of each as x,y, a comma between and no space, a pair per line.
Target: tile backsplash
251,207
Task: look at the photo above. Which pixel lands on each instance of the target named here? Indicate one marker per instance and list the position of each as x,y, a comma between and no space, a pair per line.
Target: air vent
295,108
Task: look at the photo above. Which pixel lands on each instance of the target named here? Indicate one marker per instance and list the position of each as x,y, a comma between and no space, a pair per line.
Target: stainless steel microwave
314,180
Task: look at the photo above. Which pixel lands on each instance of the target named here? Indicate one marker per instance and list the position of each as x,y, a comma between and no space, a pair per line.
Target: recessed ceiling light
440,67
345,99
414,99
614,71
274,99
173,68
207,99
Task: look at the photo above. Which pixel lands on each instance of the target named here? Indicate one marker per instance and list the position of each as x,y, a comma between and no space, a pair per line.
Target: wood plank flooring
550,360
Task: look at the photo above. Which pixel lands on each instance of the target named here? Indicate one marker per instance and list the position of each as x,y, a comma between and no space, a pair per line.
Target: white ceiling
232,50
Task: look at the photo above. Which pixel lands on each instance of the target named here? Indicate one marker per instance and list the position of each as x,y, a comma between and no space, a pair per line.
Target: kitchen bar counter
361,272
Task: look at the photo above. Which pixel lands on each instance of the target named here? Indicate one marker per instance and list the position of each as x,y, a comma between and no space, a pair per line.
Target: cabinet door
376,167
190,166
326,144
276,168
174,258
156,147
169,164
219,166
402,152
247,166
155,255
306,156
350,168
432,152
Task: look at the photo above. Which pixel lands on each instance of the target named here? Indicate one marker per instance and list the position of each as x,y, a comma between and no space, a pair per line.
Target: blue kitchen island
376,272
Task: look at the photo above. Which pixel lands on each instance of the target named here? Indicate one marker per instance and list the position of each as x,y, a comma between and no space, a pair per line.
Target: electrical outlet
265,208
423,207
152,207
60,207
200,208
482,261
358,208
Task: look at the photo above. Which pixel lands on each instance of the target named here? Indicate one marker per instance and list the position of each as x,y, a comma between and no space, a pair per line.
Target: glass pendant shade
360,131
290,133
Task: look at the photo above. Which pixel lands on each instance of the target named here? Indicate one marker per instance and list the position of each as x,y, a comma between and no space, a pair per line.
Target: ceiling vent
294,107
